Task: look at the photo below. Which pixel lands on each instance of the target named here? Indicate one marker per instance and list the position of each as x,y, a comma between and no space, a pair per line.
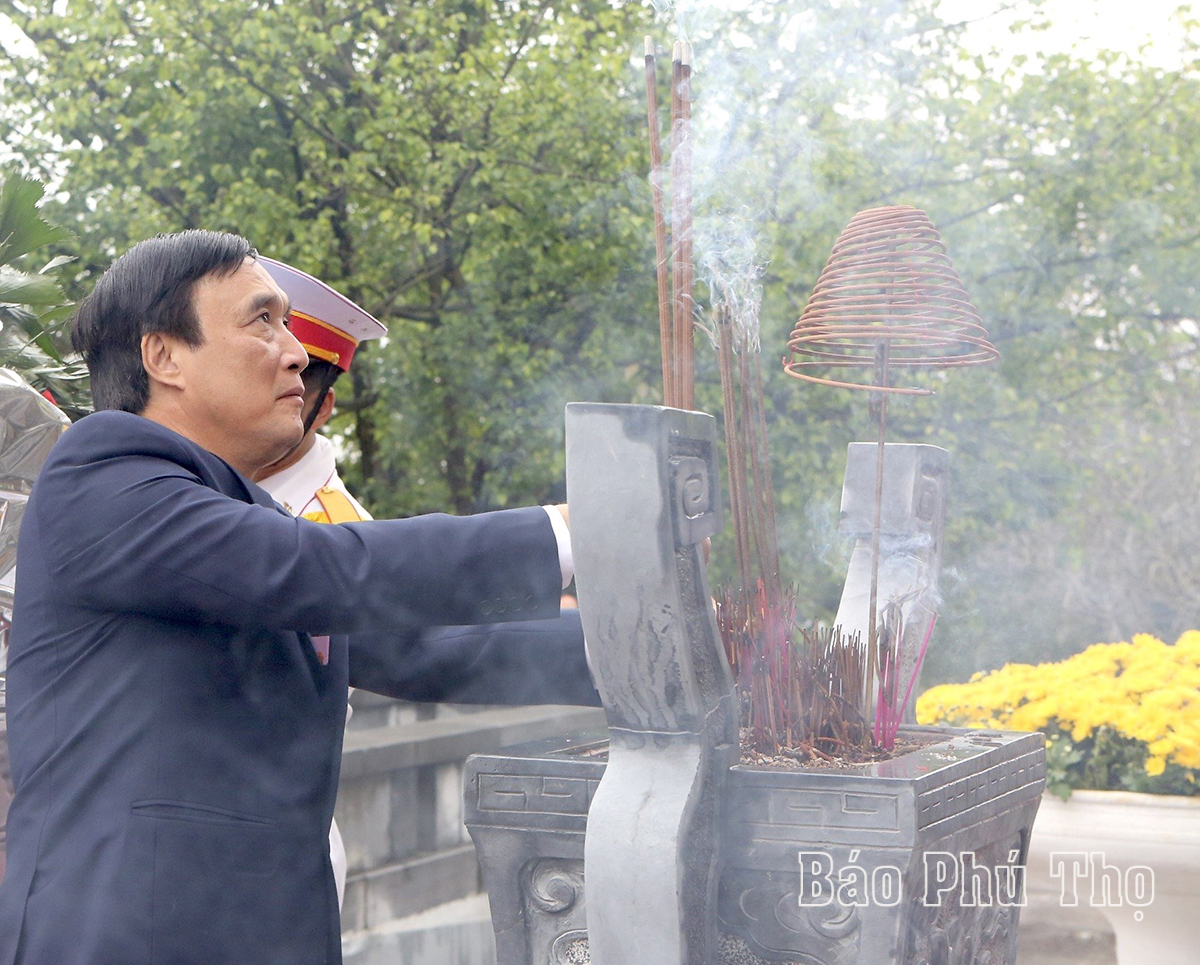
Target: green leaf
22,229
19,288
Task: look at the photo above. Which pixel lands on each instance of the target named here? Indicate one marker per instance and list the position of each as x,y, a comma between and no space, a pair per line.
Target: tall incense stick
733,447
676,220
681,237
683,190
660,226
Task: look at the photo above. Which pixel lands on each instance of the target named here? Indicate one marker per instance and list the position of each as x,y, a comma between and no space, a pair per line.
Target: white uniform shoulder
301,486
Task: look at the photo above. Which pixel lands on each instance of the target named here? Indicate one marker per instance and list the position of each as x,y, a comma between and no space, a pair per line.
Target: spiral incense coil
888,298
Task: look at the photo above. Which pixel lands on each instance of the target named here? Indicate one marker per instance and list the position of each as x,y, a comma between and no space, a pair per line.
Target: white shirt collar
295,485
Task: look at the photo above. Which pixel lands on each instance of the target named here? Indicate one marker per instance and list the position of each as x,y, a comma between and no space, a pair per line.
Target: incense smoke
727,253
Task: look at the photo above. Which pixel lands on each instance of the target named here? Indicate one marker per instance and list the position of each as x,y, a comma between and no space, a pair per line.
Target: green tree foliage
1079,226
461,168
31,303
474,174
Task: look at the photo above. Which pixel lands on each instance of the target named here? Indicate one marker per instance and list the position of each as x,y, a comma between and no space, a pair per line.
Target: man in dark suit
175,735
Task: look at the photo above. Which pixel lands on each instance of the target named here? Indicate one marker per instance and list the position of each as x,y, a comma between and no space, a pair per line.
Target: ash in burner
597,750
801,759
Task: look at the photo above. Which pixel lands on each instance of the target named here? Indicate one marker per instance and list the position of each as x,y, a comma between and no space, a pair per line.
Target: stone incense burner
651,844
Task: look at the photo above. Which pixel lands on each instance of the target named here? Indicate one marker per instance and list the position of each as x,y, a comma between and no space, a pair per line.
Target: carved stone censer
650,844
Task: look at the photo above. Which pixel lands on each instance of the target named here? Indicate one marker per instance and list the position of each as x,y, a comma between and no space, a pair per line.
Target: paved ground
1053,935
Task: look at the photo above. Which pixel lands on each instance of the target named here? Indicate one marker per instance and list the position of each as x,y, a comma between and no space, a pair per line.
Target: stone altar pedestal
945,823
652,845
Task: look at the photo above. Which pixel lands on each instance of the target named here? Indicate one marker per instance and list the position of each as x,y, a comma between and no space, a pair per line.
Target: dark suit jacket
175,741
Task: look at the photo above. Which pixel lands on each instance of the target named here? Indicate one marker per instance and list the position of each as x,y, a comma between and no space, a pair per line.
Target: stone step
455,933
400,806
381,750
392,892
374,710
401,788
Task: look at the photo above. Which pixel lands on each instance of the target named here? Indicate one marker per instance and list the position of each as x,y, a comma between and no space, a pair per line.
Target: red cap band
323,341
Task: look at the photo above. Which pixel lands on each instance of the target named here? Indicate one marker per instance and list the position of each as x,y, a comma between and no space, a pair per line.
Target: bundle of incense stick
751,496
800,690
757,639
827,693
756,618
674,314
890,704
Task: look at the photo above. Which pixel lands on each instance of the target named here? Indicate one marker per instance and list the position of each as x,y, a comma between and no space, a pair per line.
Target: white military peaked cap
327,323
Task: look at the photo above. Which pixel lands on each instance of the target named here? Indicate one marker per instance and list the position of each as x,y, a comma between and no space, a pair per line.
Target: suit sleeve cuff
562,535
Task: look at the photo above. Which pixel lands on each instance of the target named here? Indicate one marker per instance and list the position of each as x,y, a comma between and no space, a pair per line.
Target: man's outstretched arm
527,662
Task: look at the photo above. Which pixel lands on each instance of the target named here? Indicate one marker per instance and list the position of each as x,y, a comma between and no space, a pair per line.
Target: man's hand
562,508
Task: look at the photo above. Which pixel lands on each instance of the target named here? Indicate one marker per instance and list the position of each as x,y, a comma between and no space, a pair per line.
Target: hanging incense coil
888,298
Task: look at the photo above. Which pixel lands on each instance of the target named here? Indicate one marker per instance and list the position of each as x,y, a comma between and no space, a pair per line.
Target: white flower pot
1135,857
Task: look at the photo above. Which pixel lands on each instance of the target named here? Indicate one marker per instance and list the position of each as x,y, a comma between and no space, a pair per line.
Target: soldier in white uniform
305,481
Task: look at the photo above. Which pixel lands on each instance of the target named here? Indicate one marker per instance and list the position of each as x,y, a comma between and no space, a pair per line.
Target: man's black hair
318,377
147,290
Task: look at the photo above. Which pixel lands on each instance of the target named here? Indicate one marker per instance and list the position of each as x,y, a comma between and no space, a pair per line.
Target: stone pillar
910,543
643,487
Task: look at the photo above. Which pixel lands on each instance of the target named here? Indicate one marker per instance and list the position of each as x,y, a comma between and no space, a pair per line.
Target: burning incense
891,707
756,614
676,218
766,488
681,250
660,226
675,313
687,339
912,680
733,449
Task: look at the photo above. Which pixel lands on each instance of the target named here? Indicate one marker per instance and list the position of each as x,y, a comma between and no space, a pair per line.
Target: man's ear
159,359
325,411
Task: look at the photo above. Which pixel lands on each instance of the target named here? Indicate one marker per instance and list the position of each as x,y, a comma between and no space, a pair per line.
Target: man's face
300,450
242,391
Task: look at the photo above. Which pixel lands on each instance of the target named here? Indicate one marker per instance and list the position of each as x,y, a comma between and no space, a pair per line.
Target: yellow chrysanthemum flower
1141,689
